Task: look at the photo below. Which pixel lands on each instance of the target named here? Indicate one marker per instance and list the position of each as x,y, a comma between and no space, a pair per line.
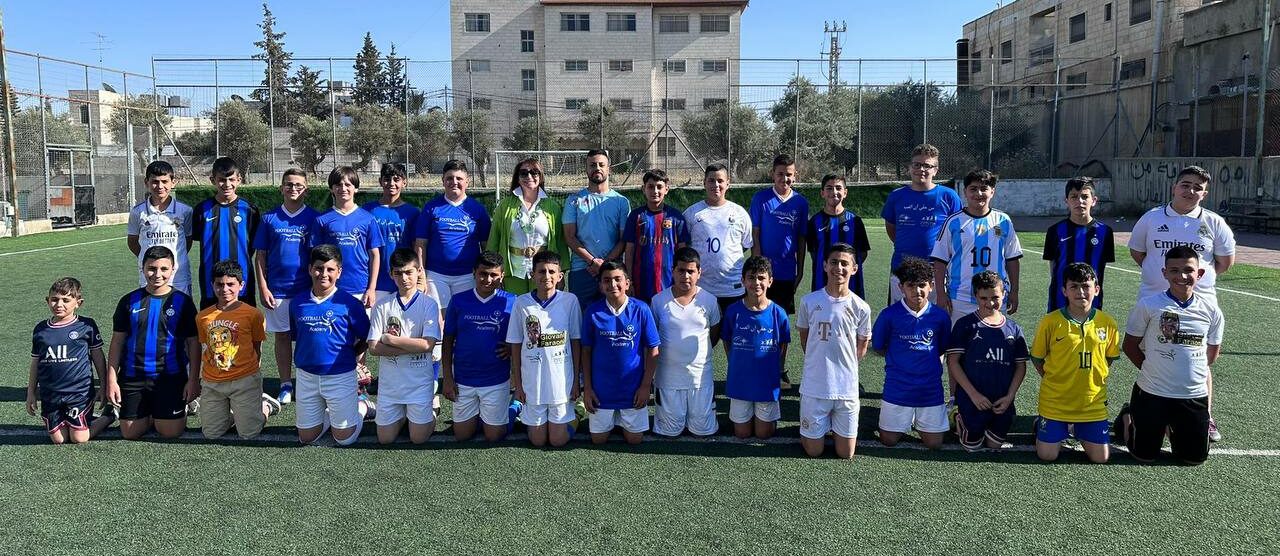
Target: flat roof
663,3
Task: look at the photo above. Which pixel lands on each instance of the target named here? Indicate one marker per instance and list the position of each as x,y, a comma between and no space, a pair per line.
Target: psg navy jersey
63,365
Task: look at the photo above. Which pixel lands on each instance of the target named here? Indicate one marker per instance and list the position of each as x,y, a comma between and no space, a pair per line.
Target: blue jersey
397,226
825,230
781,224
971,244
326,332
453,234
655,236
618,342
285,239
156,329
754,340
913,347
917,218
224,232
599,218
355,234
1067,242
988,354
63,365
478,327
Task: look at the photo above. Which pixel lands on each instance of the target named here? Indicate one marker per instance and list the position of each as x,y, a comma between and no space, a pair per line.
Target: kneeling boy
756,334
543,334
619,357
987,359
65,351
474,366
402,332
688,320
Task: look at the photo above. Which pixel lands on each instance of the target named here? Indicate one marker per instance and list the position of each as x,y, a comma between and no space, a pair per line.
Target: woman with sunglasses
526,222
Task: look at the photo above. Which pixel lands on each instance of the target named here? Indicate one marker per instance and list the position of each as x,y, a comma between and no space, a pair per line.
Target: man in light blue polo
593,219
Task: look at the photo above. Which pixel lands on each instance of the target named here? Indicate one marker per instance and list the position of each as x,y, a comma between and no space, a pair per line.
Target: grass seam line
56,247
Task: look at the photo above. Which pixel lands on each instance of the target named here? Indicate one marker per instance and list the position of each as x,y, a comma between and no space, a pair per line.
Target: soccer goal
564,172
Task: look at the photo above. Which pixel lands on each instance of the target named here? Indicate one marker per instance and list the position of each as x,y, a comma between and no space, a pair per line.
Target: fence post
991,109
44,136
924,132
1244,107
217,114
858,153
795,146
333,117
602,145
10,152
406,113
1115,129
271,125
1195,104
1258,151
728,115
1053,120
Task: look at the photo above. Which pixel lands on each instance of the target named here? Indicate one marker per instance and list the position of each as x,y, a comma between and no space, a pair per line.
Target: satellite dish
108,88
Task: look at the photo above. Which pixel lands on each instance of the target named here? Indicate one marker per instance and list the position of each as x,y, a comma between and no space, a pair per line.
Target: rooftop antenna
101,44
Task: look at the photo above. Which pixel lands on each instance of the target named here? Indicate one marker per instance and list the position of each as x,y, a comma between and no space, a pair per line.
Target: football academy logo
169,311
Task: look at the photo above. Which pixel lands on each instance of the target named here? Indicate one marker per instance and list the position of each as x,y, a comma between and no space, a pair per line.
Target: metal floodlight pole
602,146
11,169
1115,129
991,108
217,114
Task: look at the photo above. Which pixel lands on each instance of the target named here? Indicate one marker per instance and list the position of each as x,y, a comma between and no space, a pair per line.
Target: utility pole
833,32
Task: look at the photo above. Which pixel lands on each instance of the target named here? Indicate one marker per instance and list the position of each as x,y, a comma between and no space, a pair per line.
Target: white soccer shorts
692,408
632,420
537,415
317,394
898,418
491,403
391,413
278,318
819,415
448,286
741,411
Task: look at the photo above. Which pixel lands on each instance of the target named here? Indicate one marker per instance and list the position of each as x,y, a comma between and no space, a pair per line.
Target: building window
575,103
666,146
1003,96
522,114
1139,11
673,104
575,22
975,63
481,103
620,65
714,23
84,113
477,65
715,66
526,41
709,103
621,103
528,80
1077,80
476,23
1133,69
675,23
673,66
1077,28
575,65
1006,52
1106,12
620,22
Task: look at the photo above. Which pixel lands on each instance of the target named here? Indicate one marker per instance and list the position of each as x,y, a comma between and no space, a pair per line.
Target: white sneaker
193,408
286,393
272,403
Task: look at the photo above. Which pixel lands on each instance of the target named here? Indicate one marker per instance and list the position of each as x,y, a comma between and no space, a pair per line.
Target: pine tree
309,93
393,81
369,80
276,75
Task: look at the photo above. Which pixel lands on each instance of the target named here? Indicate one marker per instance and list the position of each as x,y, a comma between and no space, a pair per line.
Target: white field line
54,248
1131,271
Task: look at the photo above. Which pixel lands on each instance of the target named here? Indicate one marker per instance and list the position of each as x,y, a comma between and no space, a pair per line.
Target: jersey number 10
980,257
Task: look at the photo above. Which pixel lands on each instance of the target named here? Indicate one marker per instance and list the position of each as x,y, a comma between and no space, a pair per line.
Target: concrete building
95,108
654,61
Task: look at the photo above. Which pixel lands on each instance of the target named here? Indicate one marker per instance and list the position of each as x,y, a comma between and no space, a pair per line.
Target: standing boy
1073,351
66,349
1078,238
544,337
162,220
975,239
355,233
403,331
619,357
652,235
720,230
396,220
688,320
778,217
593,219
451,232
756,333
835,328
987,359
913,214
280,250
832,225
224,224
475,370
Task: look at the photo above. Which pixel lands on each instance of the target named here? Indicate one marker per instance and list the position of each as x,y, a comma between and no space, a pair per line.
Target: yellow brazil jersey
1076,354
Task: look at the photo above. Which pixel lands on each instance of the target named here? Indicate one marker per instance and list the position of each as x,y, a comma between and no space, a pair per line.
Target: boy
975,239
475,370
832,225
329,327
756,333
280,251
396,220
652,235
65,351
544,335
987,359
835,327
913,214
1079,238
356,235
619,357
224,224
1173,337
778,217
688,320
1073,351
911,335
154,351
403,331
162,220
229,383
720,230
450,233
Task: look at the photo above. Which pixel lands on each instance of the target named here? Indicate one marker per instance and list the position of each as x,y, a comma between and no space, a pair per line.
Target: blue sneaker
286,393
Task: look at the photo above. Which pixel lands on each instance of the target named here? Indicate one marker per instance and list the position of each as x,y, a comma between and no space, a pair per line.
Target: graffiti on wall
1145,182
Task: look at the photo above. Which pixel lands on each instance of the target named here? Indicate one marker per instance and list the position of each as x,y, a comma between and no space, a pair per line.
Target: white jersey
1176,339
831,352
722,236
684,357
167,228
406,379
972,244
544,333
1162,229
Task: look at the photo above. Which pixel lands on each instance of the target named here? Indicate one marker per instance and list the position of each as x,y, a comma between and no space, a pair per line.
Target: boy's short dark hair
913,270
403,256
393,170
325,253
985,280
783,160
157,252
1181,252
347,172
1079,273
299,172
597,152
713,168
159,168
926,150
454,164
982,176
225,167
66,286
756,264
610,266
545,257
688,255
228,269
488,259
842,247
654,174
1197,171
833,177
1080,183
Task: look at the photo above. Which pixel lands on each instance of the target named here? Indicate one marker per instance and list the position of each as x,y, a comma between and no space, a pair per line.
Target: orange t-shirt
227,341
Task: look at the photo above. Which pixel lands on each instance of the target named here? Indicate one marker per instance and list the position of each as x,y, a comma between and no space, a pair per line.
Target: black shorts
160,398
725,302
975,425
74,411
1186,419
783,292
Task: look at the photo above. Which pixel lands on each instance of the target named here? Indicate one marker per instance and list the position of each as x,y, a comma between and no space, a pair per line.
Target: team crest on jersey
328,314
997,231
844,228
666,224
169,311
1093,241
237,219
73,335
1203,231
1102,334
